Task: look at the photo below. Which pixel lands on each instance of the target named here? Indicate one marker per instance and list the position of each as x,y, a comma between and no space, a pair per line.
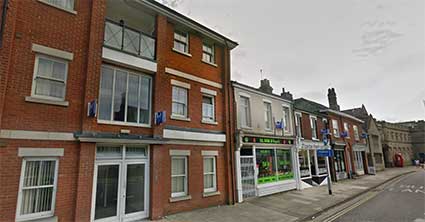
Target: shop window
304,163
321,165
273,165
339,159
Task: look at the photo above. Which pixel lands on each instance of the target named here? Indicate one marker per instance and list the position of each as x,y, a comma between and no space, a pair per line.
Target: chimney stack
265,86
333,104
286,95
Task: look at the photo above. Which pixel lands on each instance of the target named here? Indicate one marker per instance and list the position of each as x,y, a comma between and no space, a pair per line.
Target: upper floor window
65,4
245,112
208,108
268,115
124,96
37,190
335,128
50,76
286,119
179,100
313,124
356,133
208,53
347,129
181,41
298,124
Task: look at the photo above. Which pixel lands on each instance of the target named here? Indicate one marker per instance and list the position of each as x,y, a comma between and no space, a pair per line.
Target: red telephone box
398,160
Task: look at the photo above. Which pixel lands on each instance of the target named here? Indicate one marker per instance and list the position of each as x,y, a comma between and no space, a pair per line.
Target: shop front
359,154
313,169
265,166
340,162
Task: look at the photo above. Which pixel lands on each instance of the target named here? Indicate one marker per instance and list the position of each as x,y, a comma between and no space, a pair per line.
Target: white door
120,184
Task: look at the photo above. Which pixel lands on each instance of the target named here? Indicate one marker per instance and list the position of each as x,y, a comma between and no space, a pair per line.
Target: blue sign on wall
324,153
159,117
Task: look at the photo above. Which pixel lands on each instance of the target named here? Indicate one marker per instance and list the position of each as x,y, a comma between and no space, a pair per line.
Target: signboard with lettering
266,140
324,153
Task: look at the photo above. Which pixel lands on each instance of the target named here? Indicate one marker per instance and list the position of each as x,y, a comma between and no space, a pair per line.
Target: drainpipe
3,21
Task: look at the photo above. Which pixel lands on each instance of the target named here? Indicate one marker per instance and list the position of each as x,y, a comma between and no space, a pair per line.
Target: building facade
111,110
396,142
417,133
265,154
375,156
346,140
311,127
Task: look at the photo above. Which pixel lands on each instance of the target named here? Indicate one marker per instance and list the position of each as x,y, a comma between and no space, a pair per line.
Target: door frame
121,216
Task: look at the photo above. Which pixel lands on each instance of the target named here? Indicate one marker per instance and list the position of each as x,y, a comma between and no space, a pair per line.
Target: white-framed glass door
120,184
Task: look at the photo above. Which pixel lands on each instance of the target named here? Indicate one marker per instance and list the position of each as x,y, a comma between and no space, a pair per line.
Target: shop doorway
248,176
120,183
358,162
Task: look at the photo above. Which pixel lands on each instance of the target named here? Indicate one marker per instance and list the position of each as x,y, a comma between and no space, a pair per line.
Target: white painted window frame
186,43
214,173
248,119
35,75
125,123
335,127
313,126
288,125
186,104
212,54
267,115
213,108
356,133
185,193
39,215
347,129
298,124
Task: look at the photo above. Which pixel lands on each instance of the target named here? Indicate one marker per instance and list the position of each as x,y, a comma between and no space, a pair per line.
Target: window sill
58,7
46,101
209,122
210,63
246,127
314,139
210,194
183,53
177,199
180,118
123,123
45,219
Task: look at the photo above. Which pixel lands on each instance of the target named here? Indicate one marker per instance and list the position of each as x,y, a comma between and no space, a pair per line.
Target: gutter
3,20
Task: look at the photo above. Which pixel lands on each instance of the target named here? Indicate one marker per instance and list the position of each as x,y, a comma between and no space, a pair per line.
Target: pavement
399,201
296,205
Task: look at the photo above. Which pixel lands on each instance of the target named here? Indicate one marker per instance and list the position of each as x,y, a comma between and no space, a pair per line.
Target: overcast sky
371,51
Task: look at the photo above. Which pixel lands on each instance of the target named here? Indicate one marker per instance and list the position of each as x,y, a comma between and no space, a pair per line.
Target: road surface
402,201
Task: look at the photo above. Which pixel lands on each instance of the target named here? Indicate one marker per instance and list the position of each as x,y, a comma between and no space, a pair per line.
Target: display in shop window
273,165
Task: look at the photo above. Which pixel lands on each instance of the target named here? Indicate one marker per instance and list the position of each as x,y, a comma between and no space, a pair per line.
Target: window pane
284,164
105,100
31,173
120,95
59,70
47,173
265,159
208,165
178,166
304,163
133,98
45,87
36,200
106,191
108,152
145,90
321,162
207,108
177,184
208,181
45,67
135,151
135,190
68,4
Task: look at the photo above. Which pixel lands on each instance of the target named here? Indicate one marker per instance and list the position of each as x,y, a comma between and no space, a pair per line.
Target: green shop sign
271,179
266,140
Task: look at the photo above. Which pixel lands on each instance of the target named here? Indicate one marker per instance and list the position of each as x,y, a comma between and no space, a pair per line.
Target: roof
308,106
160,8
258,91
359,112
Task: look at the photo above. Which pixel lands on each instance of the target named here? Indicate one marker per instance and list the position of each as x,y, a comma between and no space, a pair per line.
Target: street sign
324,153
160,117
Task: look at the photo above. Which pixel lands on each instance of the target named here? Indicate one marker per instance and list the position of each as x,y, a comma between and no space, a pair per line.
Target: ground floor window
358,160
37,191
273,165
321,164
178,176
210,179
304,160
339,158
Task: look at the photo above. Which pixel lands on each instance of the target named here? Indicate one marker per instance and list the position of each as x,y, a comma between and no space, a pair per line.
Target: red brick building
82,83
